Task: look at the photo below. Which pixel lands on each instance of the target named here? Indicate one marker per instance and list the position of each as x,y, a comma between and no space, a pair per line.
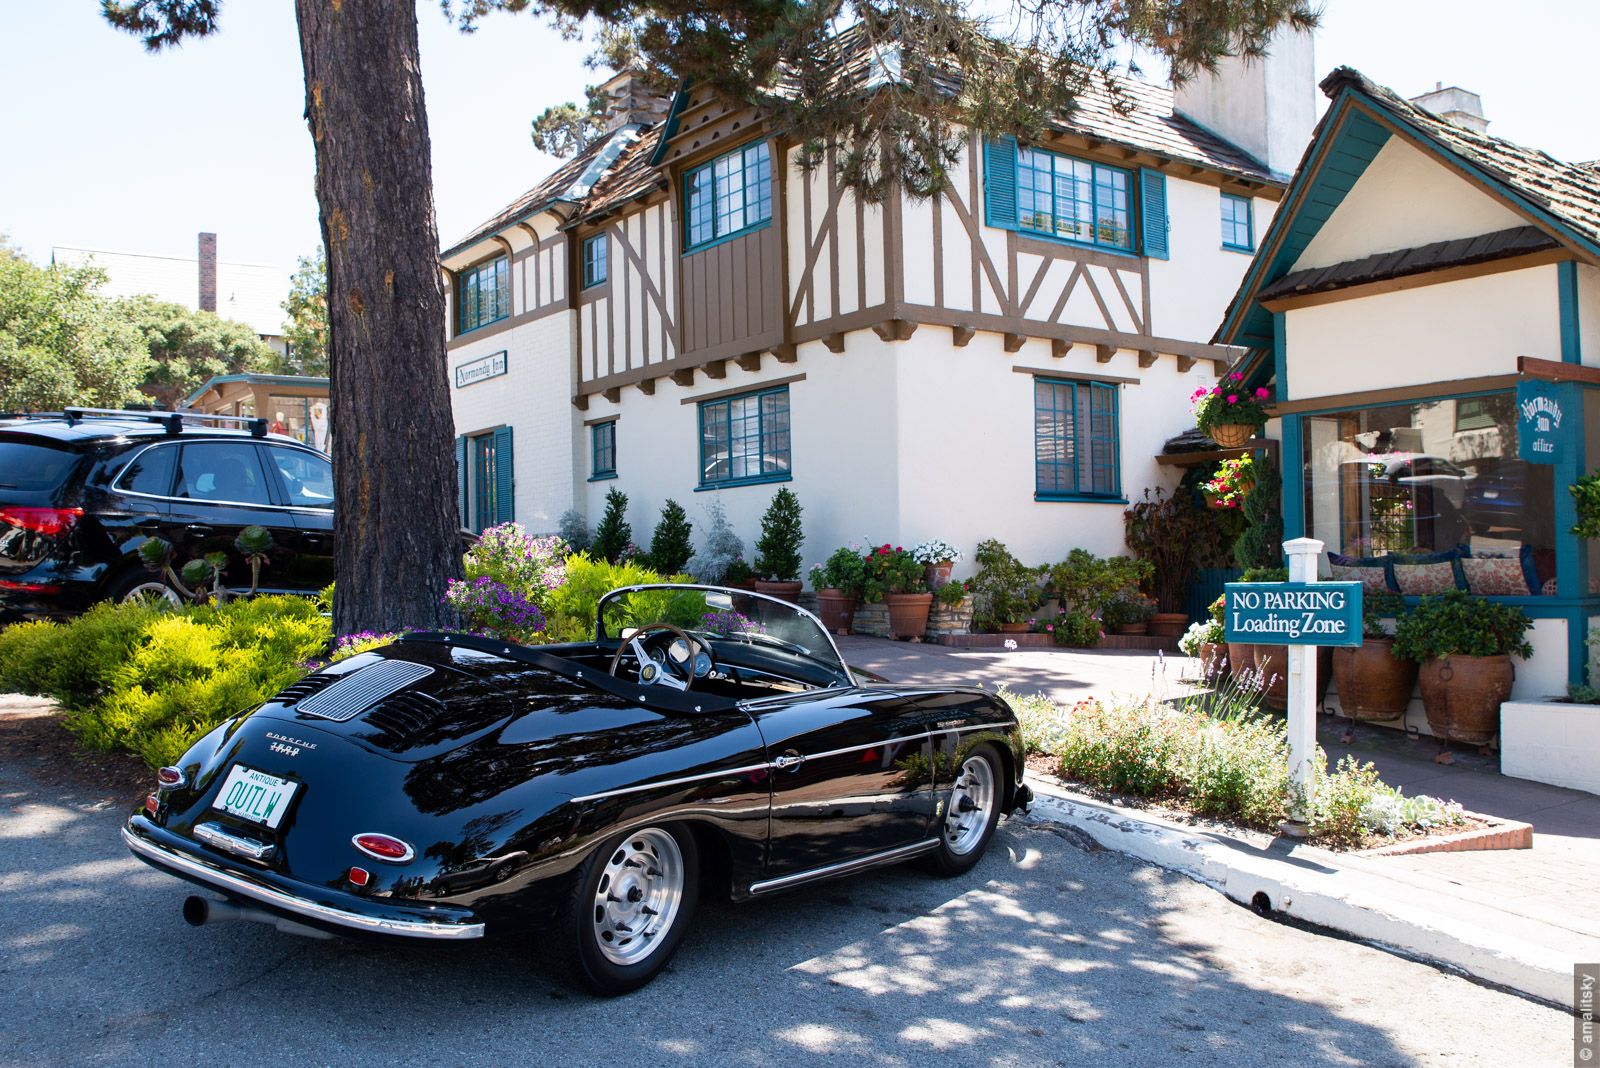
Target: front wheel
971,815
629,907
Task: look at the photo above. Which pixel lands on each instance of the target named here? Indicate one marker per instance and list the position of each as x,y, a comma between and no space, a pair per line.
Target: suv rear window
34,467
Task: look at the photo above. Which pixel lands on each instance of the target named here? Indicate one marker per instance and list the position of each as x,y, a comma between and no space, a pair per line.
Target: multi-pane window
595,253
1075,439
483,294
604,442
731,193
745,438
1073,199
1237,231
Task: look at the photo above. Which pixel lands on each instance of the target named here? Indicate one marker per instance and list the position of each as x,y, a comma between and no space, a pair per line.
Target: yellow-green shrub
570,611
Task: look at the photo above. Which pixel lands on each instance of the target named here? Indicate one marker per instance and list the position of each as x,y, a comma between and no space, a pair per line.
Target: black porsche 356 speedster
446,784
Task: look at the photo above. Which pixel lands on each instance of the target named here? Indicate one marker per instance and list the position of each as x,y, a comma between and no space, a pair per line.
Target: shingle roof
1568,191
630,177
1459,252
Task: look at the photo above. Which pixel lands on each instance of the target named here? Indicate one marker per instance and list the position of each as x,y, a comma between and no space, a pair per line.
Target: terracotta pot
837,610
1373,682
1213,661
1131,628
938,574
1272,664
1013,628
1463,694
1241,657
748,584
908,614
1231,435
784,591
1169,624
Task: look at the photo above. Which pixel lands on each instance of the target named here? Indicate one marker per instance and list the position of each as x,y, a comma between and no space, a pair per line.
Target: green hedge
151,681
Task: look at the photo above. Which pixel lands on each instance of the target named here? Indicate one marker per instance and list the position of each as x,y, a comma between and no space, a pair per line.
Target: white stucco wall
1404,199
900,441
1267,106
1463,329
1589,313
533,397
1189,291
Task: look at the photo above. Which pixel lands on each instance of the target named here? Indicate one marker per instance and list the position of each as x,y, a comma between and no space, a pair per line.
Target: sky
105,146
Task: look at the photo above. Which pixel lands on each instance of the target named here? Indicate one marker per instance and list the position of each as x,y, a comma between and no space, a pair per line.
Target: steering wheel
663,672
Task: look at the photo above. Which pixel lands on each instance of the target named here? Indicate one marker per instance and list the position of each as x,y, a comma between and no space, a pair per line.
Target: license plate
255,795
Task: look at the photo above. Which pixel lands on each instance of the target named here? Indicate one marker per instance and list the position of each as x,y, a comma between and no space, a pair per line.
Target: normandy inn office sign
1293,613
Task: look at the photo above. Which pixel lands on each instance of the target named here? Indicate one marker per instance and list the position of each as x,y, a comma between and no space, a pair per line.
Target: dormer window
483,294
728,196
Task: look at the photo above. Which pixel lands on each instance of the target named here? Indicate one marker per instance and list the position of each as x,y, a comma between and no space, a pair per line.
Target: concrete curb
1415,915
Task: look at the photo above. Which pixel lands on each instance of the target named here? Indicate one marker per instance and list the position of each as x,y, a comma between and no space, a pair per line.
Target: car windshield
722,616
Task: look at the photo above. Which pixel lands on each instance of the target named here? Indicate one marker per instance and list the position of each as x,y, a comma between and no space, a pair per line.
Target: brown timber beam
750,361
1014,342
961,335
1103,353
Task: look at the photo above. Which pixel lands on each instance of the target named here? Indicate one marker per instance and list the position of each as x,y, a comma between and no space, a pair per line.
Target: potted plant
778,549
1172,536
1373,683
1206,642
899,577
1229,414
1129,612
1004,589
1463,645
838,584
939,558
1232,483
739,575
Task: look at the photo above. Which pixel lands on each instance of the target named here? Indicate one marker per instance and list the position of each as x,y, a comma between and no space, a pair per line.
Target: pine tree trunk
395,529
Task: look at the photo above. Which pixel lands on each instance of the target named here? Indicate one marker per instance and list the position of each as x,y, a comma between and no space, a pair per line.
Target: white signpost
1303,554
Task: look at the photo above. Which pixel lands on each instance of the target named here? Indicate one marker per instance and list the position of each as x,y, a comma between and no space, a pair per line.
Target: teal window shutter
1000,182
503,482
461,478
1153,213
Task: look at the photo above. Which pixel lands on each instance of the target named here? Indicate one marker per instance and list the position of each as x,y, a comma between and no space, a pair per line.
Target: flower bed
1214,754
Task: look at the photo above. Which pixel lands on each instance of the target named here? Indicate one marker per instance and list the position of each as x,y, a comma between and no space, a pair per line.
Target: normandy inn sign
492,366
1293,613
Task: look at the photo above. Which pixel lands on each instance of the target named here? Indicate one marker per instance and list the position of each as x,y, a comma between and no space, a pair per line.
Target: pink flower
1050,628
1236,376
1216,391
1261,393
1233,398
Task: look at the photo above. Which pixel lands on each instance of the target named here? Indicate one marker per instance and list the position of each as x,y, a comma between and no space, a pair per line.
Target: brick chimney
1454,105
208,272
1267,106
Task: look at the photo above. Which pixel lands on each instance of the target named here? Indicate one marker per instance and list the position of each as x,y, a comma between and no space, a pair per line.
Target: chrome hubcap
971,801
637,898
155,594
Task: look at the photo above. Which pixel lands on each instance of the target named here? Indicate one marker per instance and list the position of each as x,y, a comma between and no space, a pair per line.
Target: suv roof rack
173,421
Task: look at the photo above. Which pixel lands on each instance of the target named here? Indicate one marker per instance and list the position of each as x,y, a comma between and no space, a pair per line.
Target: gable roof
1561,200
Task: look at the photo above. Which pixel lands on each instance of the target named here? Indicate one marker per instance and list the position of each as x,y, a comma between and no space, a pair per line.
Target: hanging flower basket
1229,414
1231,435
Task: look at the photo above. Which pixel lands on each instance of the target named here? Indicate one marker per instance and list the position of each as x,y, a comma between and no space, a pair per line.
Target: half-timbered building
685,309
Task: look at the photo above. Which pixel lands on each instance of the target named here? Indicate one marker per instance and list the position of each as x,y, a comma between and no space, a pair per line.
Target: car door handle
148,523
315,541
199,530
788,761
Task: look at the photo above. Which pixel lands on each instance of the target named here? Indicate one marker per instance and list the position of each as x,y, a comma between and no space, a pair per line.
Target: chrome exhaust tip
199,911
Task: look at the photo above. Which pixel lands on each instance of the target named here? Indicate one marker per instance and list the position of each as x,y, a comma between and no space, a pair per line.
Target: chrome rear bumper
197,870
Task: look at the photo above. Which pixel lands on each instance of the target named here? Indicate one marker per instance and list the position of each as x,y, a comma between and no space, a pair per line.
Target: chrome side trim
214,836
673,782
779,764
231,884
844,867
116,483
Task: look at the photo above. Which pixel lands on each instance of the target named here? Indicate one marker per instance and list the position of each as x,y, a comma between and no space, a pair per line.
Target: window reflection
1431,483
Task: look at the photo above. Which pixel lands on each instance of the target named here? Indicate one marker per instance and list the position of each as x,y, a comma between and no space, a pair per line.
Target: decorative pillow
1495,576
1372,579
1371,571
1419,580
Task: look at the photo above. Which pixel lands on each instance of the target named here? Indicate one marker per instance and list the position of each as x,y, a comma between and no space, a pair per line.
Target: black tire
960,849
593,951
126,586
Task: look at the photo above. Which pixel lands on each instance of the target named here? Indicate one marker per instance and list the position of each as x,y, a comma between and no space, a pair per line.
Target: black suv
81,490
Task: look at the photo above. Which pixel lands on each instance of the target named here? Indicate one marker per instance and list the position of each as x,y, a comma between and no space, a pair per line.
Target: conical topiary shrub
670,547
613,534
778,548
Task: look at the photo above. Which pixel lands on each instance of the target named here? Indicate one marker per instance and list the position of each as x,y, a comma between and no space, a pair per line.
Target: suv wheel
141,587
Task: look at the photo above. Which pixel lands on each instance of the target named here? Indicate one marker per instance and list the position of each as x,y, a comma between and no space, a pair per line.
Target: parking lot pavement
1047,953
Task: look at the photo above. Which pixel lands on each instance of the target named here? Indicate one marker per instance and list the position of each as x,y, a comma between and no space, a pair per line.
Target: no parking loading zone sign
1293,613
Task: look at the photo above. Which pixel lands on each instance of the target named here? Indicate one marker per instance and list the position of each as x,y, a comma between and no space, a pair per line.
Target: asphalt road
1045,954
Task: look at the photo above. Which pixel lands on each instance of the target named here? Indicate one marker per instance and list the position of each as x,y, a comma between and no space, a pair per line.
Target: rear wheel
972,813
141,587
629,907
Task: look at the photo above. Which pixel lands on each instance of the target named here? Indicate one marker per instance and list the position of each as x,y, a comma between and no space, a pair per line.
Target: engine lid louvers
362,689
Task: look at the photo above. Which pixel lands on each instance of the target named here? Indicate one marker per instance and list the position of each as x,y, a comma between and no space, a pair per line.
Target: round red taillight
384,847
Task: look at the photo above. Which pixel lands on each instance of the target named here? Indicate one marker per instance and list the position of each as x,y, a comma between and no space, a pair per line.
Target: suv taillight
51,522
